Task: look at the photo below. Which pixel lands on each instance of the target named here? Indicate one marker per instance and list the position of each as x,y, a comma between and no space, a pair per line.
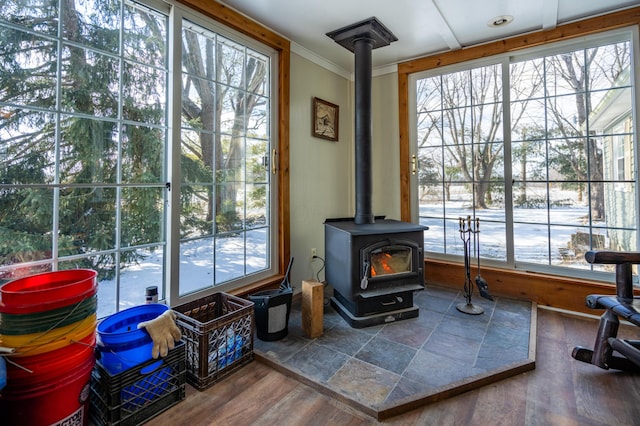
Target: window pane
28,69
139,269
530,202
565,116
89,82
141,27
486,84
37,15
487,123
528,120
257,162
259,66
232,115
231,63
530,243
87,220
601,74
230,215
93,24
430,129
88,150
575,242
144,93
26,218
567,160
527,80
565,73
429,94
430,173
565,208
198,97
199,51
257,250
457,126
432,197
27,147
494,199
620,202
258,118
196,218
196,265
434,238
456,89
230,257
197,156
142,216
143,153
453,242
491,239
529,162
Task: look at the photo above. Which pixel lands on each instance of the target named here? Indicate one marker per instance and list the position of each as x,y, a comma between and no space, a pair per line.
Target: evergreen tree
67,162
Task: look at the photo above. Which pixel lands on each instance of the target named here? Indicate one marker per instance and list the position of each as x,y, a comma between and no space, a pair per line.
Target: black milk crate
134,396
218,330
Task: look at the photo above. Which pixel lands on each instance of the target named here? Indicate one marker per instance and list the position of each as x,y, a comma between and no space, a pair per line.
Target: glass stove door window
390,261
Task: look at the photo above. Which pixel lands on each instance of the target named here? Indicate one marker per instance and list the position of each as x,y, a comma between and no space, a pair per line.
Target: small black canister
151,295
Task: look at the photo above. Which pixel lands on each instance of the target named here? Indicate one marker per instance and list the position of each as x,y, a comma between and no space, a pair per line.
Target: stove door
390,260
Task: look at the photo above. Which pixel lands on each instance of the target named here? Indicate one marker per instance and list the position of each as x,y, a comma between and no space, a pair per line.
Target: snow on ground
197,257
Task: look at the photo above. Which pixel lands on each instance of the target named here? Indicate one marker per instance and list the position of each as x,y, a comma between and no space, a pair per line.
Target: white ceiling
422,27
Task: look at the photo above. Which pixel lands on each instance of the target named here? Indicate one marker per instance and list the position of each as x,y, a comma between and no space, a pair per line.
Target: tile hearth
389,369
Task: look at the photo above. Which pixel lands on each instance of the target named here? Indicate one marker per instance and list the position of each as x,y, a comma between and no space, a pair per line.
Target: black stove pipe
361,38
363,130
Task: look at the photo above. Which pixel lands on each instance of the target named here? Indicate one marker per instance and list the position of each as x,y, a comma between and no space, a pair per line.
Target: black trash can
272,309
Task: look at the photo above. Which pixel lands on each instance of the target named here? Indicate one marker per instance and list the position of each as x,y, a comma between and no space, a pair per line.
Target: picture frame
325,120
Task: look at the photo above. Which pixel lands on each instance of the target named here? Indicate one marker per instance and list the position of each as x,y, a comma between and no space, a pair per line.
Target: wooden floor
560,391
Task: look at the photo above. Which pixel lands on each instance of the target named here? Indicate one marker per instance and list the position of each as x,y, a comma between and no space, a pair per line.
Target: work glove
163,331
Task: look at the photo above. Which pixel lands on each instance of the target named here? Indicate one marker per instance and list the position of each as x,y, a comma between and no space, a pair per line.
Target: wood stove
374,264
374,269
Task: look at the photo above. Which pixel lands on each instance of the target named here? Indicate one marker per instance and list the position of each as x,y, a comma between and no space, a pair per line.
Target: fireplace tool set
466,229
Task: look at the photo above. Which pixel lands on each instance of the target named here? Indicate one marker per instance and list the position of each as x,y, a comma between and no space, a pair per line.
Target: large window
93,103
225,185
538,147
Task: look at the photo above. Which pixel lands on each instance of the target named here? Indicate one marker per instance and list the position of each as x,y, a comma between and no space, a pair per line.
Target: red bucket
51,290
49,366
64,400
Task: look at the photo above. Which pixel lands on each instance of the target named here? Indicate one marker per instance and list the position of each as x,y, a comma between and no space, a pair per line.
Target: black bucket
272,309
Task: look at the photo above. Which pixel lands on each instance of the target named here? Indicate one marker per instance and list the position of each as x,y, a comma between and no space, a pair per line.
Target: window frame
237,27
172,262
562,37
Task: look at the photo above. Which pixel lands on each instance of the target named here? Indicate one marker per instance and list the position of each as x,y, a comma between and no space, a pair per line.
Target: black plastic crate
139,393
218,331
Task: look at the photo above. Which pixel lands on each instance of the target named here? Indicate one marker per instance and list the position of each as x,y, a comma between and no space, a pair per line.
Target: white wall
322,172
386,149
319,170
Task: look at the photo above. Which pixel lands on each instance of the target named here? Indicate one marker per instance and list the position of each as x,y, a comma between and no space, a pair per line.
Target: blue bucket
120,344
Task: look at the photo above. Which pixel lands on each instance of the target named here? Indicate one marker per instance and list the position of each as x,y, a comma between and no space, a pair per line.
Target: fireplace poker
483,285
466,230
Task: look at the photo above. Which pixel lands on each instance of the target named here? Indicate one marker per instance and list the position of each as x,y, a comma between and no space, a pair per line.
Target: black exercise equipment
621,305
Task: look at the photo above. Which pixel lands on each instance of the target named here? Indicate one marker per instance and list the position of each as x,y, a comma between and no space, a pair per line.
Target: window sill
546,290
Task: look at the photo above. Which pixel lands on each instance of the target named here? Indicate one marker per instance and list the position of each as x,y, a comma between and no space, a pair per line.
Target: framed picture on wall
325,120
